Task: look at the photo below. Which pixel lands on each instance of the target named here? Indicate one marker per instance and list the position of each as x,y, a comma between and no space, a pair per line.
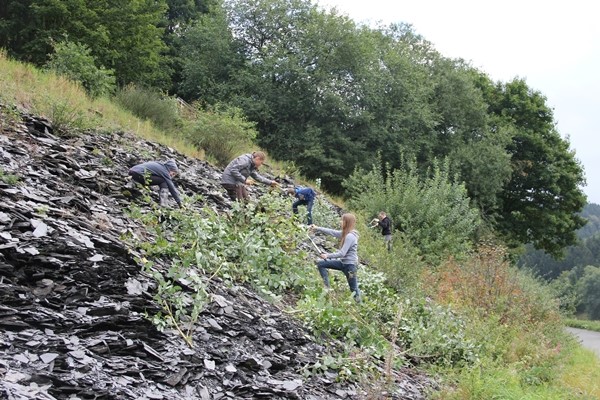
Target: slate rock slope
73,297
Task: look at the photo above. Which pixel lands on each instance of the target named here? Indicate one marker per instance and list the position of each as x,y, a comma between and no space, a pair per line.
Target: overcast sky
553,45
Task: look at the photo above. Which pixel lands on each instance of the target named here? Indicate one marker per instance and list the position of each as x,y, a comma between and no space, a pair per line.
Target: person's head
291,191
382,214
258,158
348,221
348,224
171,166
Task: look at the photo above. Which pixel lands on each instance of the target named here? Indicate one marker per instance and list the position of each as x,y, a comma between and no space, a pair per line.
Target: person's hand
274,184
323,256
312,227
250,181
374,221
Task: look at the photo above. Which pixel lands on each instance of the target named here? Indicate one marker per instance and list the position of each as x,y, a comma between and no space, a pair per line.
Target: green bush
74,61
433,212
9,179
222,132
151,105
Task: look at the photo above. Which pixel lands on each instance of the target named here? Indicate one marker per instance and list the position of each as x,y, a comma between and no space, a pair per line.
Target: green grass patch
583,324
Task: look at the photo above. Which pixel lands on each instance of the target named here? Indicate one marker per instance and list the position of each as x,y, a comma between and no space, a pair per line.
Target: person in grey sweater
346,258
153,173
235,175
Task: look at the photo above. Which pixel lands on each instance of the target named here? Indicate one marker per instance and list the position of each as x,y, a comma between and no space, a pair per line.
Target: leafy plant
65,116
74,60
180,307
9,179
222,131
432,212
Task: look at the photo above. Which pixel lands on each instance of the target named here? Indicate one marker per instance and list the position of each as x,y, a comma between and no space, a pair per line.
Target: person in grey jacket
159,174
346,258
235,174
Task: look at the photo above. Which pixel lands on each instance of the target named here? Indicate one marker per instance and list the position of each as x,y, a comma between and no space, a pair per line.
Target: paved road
588,339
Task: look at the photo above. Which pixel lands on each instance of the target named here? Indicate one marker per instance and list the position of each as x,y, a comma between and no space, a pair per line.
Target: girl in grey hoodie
346,258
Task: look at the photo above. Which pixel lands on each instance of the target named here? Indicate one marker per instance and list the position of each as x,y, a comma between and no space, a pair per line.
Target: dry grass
46,94
582,374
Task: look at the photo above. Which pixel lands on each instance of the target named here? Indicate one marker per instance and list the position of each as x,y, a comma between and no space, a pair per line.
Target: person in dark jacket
235,175
385,224
153,173
306,196
346,258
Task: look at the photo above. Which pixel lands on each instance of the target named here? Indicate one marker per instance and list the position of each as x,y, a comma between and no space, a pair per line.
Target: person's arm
331,232
348,243
173,190
261,178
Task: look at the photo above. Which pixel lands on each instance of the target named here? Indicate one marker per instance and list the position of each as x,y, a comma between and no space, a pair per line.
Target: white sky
553,45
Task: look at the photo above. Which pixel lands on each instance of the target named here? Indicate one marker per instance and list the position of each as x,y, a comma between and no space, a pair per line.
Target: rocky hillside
73,297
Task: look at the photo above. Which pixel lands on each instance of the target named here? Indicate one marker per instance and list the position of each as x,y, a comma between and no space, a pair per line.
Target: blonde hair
260,155
348,224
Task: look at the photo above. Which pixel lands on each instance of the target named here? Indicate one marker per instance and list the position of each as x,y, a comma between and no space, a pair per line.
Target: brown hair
348,224
259,154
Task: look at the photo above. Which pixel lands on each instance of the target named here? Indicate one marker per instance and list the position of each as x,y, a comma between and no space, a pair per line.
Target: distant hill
586,253
591,212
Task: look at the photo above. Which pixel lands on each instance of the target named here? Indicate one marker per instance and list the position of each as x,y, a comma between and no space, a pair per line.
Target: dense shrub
151,105
433,212
74,61
487,282
222,132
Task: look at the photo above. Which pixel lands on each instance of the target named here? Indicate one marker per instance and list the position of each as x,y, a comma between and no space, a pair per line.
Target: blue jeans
349,271
309,206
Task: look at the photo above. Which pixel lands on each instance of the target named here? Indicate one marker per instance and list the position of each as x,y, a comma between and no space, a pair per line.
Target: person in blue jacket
306,196
153,173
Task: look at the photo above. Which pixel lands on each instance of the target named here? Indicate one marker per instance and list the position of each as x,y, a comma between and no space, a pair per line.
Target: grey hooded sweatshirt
348,254
239,169
162,170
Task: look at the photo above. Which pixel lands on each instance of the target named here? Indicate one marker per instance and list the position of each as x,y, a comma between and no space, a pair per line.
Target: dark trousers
349,271
236,192
309,206
149,180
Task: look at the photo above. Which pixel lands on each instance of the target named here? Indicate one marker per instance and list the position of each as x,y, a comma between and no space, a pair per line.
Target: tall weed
148,104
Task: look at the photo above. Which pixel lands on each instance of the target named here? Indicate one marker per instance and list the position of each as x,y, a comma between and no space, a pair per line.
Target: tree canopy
330,95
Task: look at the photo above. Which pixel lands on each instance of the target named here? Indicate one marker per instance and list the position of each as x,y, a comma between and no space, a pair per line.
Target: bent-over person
235,175
153,173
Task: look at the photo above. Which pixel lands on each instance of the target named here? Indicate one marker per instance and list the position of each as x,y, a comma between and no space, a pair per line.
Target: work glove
374,221
250,181
274,184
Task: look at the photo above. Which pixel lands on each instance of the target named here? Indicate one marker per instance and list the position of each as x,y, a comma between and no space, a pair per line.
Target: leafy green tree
541,202
210,60
299,84
591,213
180,16
590,291
74,61
28,28
122,36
